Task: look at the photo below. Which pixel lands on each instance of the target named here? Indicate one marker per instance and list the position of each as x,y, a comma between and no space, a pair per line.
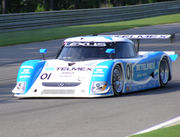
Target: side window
125,50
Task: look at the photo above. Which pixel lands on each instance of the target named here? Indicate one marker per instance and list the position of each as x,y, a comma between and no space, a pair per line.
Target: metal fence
35,20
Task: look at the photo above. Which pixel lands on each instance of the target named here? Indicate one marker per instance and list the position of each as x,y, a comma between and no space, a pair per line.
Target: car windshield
84,51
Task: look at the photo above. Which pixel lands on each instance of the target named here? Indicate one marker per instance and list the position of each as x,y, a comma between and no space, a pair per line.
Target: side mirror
43,51
110,51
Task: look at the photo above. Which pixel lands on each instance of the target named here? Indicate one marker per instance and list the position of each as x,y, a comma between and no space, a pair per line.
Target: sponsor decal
74,69
28,67
141,75
95,44
99,71
24,76
25,71
144,36
146,66
67,73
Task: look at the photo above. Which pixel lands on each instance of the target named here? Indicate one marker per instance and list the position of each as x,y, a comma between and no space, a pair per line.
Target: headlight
21,87
99,87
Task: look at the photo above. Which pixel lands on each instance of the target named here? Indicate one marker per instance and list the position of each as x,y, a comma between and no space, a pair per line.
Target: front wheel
164,72
117,80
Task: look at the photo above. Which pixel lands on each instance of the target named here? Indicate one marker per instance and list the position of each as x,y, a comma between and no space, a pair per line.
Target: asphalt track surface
97,117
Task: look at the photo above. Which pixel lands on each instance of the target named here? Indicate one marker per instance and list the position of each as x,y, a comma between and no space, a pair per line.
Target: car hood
66,71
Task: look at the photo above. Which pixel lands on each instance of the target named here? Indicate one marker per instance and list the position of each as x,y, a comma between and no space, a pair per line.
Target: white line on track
161,125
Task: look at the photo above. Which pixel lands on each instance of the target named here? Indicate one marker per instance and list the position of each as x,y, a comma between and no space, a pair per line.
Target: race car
96,66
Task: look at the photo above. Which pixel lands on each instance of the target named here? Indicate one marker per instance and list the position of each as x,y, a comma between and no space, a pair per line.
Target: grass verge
173,131
21,37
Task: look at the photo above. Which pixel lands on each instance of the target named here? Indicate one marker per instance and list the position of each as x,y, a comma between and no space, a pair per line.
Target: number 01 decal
129,71
45,76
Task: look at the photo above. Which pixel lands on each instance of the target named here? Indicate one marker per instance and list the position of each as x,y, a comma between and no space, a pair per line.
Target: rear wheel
117,80
164,72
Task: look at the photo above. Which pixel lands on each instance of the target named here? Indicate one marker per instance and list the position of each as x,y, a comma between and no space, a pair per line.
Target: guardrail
36,20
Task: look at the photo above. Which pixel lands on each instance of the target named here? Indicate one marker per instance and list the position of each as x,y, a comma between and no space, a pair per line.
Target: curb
172,122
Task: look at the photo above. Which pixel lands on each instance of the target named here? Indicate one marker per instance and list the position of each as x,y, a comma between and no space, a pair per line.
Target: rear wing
148,36
171,54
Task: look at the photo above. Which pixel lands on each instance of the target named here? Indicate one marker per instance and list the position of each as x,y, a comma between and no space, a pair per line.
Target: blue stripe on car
108,37
102,72
29,72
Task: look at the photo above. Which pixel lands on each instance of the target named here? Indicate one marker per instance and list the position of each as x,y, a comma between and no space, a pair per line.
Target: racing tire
117,80
164,72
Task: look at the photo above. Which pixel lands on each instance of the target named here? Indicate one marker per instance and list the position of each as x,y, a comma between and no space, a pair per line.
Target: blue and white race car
96,66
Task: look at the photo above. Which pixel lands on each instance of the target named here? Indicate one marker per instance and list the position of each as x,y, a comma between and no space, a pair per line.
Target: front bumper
53,92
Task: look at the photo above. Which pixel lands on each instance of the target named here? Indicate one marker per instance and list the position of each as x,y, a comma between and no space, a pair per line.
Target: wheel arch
169,65
123,71
166,57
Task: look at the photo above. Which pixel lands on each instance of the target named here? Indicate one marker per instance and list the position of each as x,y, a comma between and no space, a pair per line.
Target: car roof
98,38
